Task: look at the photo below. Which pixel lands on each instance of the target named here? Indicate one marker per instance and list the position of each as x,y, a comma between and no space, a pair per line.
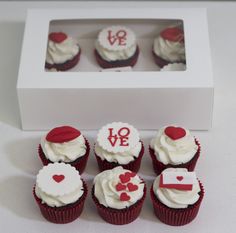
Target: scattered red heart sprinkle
124,178
173,34
62,134
124,197
57,37
175,132
58,178
130,174
120,187
132,187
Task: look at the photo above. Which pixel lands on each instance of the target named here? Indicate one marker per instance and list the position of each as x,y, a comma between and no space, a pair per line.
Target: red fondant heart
173,34
132,187
179,178
120,187
57,37
124,197
62,134
58,178
175,132
124,178
130,174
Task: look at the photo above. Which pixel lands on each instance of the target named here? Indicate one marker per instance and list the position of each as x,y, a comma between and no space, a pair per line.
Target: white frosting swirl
106,193
58,201
64,152
174,198
115,55
173,152
119,157
58,53
169,50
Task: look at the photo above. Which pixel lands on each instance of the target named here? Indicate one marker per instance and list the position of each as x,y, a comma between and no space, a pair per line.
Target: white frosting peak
173,152
169,50
174,198
64,152
58,53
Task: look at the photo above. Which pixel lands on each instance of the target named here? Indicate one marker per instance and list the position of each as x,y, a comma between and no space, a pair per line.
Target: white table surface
216,167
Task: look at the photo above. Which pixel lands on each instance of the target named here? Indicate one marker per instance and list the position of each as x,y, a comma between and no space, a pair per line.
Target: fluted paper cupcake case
119,63
176,217
79,163
64,214
132,166
120,216
158,166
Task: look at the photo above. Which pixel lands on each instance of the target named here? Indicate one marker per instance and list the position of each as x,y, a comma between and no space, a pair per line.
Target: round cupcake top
63,143
118,188
177,188
169,45
116,38
58,184
174,145
61,48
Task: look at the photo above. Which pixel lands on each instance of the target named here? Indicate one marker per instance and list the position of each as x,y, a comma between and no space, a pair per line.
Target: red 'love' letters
122,136
119,38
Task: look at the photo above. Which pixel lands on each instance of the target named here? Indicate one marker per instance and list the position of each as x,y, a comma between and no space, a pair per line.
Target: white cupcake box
87,98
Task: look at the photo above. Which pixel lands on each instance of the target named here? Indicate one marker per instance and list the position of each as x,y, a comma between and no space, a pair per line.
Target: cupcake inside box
85,32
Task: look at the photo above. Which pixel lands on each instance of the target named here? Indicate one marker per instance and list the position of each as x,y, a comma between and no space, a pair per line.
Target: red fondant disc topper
173,34
62,134
57,37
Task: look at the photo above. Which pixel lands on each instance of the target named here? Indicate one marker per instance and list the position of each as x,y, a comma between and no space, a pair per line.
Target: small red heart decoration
62,134
58,178
175,132
57,37
120,187
132,187
124,178
179,178
130,174
173,34
124,197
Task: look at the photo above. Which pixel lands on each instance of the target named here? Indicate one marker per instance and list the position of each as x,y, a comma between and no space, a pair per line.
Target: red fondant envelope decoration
178,180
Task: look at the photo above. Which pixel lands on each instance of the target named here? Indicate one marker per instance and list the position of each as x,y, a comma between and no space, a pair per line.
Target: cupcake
176,196
118,195
174,147
60,192
63,52
174,67
116,46
118,144
169,47
64,144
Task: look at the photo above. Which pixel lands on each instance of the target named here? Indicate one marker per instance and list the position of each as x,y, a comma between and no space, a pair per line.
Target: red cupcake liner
162,62
122,216
66,65
176,217
158,166
120,63
133,166
79,163
64,214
